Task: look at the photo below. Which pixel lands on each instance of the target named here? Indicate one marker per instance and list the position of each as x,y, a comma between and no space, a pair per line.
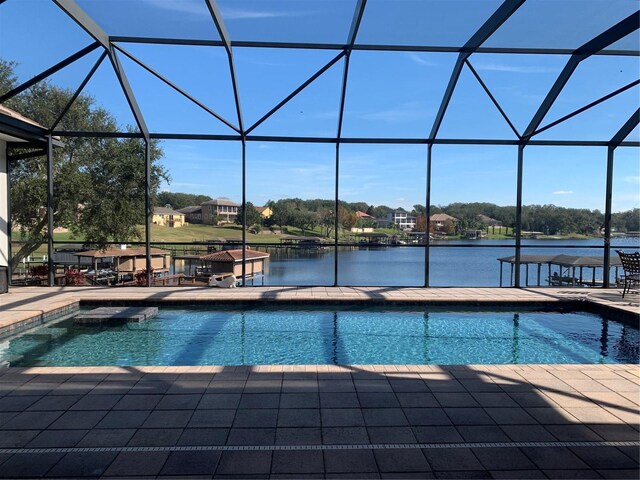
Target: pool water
318,335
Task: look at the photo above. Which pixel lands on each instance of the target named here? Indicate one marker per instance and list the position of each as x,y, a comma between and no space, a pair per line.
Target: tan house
219,210
167,217
442,222
265,212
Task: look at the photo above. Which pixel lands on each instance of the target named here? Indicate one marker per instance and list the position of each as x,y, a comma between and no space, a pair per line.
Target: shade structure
457,66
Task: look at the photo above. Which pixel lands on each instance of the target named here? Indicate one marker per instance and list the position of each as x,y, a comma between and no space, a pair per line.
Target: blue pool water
318,335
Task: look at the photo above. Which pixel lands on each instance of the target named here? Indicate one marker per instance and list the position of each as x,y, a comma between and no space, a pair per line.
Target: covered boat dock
570,269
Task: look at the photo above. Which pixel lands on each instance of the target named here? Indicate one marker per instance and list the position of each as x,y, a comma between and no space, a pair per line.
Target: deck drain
252,448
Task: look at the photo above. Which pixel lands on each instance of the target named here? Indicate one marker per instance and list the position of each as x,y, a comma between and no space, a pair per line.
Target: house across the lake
443,223
219,210
167,217
192,214
265,212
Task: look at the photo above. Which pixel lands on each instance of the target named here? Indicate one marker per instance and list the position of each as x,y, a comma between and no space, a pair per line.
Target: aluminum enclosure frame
113,46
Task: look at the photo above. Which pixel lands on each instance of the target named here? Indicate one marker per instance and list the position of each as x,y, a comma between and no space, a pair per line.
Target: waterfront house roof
190,209
364,215
233,256
488,220
442,217
562,260
166,211
123,252
222,201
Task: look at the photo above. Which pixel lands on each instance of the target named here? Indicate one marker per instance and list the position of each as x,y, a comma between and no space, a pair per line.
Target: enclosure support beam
128,93
353,33
616,140
51,272
494,22
76,94
368,47
607,218
216,16
50,71
612,35
147,209
625,130
518,225
178,89
5,161
587,107
427,213
244,213
71,8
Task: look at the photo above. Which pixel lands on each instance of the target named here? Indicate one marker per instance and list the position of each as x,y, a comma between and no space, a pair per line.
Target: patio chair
631,266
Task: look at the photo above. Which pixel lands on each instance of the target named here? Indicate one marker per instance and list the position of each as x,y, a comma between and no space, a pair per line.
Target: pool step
115,314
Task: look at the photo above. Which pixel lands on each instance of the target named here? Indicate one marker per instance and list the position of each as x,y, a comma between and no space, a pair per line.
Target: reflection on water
404,266
344,335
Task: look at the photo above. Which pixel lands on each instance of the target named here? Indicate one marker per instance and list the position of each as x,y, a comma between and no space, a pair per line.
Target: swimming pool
330,335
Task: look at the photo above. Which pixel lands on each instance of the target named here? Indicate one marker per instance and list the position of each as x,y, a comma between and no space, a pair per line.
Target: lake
450,265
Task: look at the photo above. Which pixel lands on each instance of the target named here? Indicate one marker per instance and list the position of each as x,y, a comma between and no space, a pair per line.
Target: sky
389,94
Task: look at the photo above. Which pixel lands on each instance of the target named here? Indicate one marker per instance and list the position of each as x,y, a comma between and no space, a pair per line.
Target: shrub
39,270
141,277
74,277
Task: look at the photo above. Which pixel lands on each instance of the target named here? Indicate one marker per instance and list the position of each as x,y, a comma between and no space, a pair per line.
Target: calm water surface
449,265
316,335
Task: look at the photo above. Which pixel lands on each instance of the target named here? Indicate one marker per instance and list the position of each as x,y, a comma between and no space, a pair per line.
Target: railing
451,263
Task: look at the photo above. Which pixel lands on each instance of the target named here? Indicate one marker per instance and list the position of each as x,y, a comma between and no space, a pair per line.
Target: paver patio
398,421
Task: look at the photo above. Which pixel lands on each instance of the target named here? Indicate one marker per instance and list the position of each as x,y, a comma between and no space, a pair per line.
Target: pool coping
34,306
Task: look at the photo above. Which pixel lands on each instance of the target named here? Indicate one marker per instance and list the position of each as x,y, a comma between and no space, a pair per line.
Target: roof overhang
16,128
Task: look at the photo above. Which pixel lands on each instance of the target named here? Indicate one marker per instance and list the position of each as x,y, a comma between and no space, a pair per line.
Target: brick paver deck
501,421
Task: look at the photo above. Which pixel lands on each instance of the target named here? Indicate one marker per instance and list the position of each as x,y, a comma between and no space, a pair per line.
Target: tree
346,218
326,218
99,192
253,216
180,200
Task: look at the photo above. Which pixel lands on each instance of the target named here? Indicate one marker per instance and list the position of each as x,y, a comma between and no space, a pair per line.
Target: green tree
99,190
179,200
253,216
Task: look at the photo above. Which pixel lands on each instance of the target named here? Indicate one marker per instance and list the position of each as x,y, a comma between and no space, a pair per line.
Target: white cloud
230,13
421,60
501,67
182,6
197,8
634,179
563,192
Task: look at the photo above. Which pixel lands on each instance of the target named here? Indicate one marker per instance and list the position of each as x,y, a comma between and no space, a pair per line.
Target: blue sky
389,94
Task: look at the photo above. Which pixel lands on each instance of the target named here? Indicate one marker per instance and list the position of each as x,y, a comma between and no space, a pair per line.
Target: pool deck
318,421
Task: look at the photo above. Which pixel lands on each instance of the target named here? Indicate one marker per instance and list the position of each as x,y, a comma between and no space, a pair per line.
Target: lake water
450,263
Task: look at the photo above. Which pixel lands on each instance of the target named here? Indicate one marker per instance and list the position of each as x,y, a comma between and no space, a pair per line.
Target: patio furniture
631,266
